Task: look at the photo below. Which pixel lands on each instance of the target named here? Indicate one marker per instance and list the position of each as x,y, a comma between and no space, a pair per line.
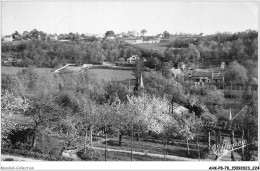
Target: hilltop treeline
211,49
228,47
53,53
217,48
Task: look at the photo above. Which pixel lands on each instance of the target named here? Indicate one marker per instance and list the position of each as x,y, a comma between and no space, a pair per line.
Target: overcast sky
155,17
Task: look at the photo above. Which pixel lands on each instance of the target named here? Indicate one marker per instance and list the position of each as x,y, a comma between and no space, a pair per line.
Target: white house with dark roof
8,38
133,59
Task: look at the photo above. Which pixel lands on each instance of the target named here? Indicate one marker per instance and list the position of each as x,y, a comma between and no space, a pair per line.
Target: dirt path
73,155
7,157
177,158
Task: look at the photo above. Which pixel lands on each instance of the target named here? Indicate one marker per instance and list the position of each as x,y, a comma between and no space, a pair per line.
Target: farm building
217,74
202,76
8,38
132,59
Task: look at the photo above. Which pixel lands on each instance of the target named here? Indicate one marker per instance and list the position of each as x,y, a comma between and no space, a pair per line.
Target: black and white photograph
154,85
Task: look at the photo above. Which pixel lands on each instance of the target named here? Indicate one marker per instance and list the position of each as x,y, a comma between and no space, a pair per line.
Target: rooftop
7,36
201,73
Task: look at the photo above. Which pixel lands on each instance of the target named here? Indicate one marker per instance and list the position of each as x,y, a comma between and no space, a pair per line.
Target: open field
116,75
234,104
151,46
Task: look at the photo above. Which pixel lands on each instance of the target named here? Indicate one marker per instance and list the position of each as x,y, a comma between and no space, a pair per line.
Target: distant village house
133,59
8,38
133,40
53,38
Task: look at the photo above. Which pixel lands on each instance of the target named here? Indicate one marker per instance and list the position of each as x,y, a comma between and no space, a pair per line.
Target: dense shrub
201,90
204,153
124,64
233,93
21,138
11,83
121,60
91,154
49,145
116,91
28,77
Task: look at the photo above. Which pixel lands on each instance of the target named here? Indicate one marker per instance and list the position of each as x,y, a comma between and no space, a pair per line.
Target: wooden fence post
216,142
165,141
232,142
132,143
106,148
247,147
198,149
243,150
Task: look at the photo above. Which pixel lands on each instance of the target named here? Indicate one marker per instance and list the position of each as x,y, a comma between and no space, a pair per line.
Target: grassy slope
151,46
118,75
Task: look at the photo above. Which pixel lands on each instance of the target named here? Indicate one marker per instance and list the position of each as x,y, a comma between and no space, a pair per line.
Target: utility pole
132,142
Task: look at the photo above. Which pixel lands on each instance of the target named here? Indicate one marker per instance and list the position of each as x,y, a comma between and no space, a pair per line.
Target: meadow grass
107,74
